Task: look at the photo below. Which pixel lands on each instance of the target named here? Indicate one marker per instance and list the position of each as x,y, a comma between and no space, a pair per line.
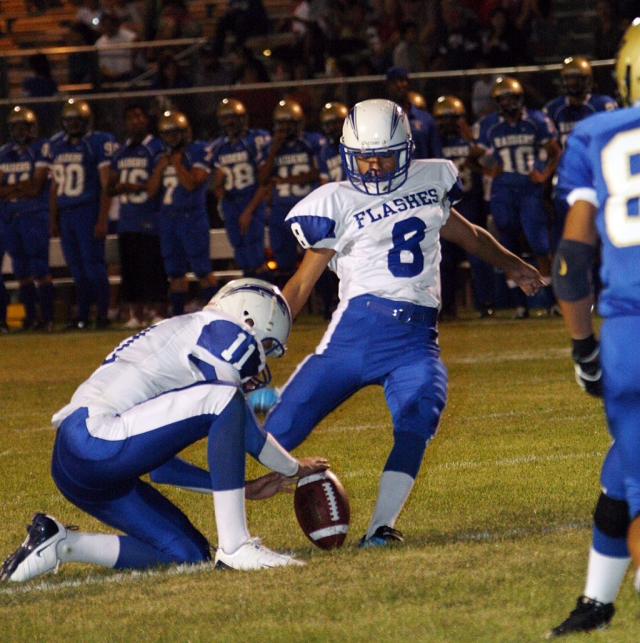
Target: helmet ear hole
247,320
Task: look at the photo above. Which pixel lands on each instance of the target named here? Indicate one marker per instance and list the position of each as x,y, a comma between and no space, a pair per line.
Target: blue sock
28,295
407,452
178,302
47,293
608,546
226,446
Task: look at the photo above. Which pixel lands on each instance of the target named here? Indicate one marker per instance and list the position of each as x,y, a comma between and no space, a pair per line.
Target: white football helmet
376,128
261,306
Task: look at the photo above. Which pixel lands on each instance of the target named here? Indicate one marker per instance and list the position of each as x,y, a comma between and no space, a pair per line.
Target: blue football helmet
376,128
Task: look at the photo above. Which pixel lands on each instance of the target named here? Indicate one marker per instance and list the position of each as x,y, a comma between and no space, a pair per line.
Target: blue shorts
28,244
184,240
366,343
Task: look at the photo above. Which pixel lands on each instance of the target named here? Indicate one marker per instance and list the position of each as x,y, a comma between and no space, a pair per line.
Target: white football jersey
387,245
205,346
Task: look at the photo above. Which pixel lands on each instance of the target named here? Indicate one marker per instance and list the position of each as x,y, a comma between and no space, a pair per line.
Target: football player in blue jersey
79,207
290,169
24,167
144,280
457,140
156,393
180,179
508,144
576,103
599,172
332,117
236,156
423,127
4,295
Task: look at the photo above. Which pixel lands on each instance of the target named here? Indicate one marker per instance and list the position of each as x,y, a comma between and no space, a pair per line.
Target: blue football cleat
382,537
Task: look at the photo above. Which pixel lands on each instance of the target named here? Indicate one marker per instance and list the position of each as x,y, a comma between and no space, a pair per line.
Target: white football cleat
37,554
253,555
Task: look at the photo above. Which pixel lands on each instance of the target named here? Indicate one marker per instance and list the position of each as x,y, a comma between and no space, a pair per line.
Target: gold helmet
628,65
447,106
76,117
288,117
172,122
417,100
508,95
232,117
332,117
576,76
22,115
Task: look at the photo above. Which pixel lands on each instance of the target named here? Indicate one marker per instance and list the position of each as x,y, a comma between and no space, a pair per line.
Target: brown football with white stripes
322,509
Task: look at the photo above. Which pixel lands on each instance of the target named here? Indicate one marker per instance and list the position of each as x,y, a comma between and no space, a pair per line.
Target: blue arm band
572,278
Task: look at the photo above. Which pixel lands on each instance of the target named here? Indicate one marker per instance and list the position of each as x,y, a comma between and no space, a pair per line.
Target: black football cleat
587,616
382,537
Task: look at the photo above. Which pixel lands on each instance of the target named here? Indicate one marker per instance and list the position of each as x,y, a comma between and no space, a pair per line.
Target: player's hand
164,161
490,165
268,486
311,465
464,130
535,176
526,276
586,355
244,221
100,230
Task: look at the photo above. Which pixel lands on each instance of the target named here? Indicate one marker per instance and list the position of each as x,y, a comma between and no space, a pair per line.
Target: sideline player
598,171
380,232
4,295
575,103
24,167
508,143
156,393
144,280
180,179
235,157
79,207
332,117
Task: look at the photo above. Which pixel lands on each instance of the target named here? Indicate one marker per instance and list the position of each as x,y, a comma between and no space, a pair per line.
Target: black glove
586,355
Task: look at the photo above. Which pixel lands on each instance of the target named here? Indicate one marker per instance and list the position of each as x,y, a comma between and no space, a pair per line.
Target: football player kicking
598,172
156,393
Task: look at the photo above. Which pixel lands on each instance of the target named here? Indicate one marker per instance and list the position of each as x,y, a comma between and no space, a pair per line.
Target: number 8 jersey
74,168
601,165
387,245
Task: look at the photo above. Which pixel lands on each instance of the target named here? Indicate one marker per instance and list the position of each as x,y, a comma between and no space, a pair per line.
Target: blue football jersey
74,168
239,163
425,134
175,198
565,115
297,157
330,163
456,149
20,165
134,164
517,146
601,165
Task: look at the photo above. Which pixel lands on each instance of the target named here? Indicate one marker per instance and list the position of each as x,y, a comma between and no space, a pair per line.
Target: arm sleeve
575,174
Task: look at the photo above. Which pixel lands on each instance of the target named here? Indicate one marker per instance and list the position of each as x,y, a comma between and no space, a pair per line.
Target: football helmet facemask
261,306
376,128
22,124
628,65
174,128
232,117
332,117
76,117
288,117
508,95
576,76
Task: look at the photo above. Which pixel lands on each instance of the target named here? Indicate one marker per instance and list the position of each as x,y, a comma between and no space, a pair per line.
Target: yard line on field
546,354
5,453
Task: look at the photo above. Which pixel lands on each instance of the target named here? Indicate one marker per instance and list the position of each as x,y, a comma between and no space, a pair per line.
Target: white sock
604,576
393,490
231,520
99,549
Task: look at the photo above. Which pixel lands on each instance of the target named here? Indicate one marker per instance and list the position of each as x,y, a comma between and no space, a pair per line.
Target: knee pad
611,516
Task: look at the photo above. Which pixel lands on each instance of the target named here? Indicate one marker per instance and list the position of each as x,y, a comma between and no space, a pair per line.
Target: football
322,509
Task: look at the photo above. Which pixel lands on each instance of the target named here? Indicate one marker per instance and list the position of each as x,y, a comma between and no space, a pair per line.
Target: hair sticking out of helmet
628,65
576,76
378,130
508,95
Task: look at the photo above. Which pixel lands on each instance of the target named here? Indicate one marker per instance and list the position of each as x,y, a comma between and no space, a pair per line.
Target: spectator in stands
423,127
481,101
243,19
117,64
459,39
406,53
40,84
175,21
83,67
501,46
90,14
144,280
169,74
129,15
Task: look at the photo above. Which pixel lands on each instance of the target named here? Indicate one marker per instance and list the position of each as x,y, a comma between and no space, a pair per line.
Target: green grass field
497,528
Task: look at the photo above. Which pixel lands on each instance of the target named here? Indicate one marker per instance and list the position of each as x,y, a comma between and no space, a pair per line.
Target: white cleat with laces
253,555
